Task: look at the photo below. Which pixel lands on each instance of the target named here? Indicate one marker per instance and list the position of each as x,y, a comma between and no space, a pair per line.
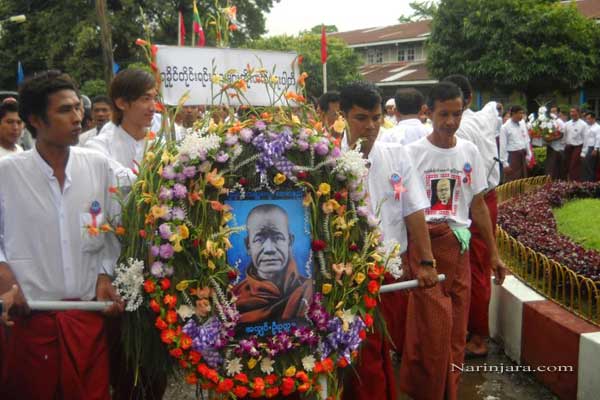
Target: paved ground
474,386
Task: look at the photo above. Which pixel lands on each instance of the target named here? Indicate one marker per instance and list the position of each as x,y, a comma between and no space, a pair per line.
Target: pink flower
246,135
166,251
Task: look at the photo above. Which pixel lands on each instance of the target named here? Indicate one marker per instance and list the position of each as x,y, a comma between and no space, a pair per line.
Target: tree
532,46
328,28
65,34
422,10
342,62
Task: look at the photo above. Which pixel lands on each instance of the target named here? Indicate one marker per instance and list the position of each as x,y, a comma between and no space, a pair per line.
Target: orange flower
167,336
218,206
151,135
105,228
159,107
191,378
235,128
241,84
171,317
185,342
233,27
170,301
113,189
266,116
92,230
120,231
302,78
141,42
300,59
149,286
154,50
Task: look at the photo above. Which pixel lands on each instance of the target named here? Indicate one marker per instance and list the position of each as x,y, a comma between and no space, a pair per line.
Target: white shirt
479,128
575,132
390,161
513,137
459,167
43,235
87,135
559,145
118,145
406,132
4,152
592,139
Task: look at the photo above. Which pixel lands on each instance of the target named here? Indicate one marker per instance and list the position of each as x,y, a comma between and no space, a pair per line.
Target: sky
292,16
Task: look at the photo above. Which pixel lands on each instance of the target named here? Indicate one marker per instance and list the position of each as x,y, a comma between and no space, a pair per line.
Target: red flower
301,375
368,319
376,271
165,283
271,392
176,352
185,342
327,365
142,233
184,364
196,243
160,324
170,301
154,50
243,181
225,385
159,107
362,334
232,274
149,286
167,336
353,247
300,59
342,362
369,302
241,377
212,375
153,66
141,42
302,175
195,357
373,287
240,392
318,245
287,386
155,306
304,387
191,378
271,379
171,317
259,387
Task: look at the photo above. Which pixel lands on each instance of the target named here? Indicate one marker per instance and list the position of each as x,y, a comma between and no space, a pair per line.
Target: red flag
323,45
181,29
198,27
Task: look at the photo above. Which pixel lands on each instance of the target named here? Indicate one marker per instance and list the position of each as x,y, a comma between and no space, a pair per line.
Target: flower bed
530,220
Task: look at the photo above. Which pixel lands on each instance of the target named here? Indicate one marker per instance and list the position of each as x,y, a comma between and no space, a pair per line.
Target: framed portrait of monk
272,252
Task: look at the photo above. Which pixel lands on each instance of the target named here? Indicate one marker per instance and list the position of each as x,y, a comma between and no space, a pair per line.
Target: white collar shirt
43,230
513,137
479,128
575,132
559,145
592,139
118,145
405,132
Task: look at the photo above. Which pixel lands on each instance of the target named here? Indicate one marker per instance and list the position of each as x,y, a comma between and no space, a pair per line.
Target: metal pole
392,287
49,305
325,77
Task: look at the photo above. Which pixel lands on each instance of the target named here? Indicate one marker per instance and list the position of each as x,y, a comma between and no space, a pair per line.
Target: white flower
128,283
185,312
266,365
234,366
542,110
347,318
308,362
197,145
351,164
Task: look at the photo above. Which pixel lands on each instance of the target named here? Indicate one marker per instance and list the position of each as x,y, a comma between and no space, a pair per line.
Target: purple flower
154,250
246,135
169,270
179,191
180,177
230,139
165,231
302,145
169,172
260,125
166,251
222,157
157,269
336,152
165,193
322,148
363,211
178,214
189,172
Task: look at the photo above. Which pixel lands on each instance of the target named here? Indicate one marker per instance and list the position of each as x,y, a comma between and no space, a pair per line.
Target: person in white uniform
409,128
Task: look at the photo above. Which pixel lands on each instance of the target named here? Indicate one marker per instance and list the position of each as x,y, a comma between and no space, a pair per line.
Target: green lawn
580,220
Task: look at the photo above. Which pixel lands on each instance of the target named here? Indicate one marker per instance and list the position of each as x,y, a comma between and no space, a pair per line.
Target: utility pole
106,41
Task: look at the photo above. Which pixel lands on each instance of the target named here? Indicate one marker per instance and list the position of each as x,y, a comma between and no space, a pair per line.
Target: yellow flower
339,125
274,79
291,371
359,278
252,363
330,206
216,79
215,179
181,286
324,189
184,232
227,217
176,240
295,120
159,211
307,200
150,156
165,158
376,257
326,289
279,179
147,197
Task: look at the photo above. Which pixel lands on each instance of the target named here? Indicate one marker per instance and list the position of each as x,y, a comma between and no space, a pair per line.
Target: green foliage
423,9
540,161
328,28
526,45
580,220
94,87
65,35
342,63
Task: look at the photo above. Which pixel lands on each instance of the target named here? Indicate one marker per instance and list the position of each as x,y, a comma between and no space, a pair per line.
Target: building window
401,54
410,54
379,56
370,57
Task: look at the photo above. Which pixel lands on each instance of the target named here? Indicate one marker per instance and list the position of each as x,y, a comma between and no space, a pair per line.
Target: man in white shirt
589,153
133,93
437,318
54,250
515,149
575,133
479,128
409,128
555,149
391,184
11,128
390,118
101,114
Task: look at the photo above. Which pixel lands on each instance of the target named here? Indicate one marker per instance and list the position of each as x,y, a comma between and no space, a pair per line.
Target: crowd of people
434,167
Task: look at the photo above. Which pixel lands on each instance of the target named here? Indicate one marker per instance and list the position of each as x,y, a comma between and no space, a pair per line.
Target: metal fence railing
559,283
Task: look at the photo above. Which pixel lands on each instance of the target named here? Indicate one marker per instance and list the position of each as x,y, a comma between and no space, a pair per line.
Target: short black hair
463,83
327,98
101,99
408,101
8,107
35,91
515,109
362,94
592,114
129,85
443,91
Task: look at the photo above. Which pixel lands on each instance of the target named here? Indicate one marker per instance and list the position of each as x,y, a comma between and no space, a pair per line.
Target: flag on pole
181,29
323,45
198,27
20,73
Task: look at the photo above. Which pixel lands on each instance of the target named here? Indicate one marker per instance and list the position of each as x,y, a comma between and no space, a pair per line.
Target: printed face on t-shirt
441,194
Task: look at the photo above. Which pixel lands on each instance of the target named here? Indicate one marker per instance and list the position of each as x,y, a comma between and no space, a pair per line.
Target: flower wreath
174,273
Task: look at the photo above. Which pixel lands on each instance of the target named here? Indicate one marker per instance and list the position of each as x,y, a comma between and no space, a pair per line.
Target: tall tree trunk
106,40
